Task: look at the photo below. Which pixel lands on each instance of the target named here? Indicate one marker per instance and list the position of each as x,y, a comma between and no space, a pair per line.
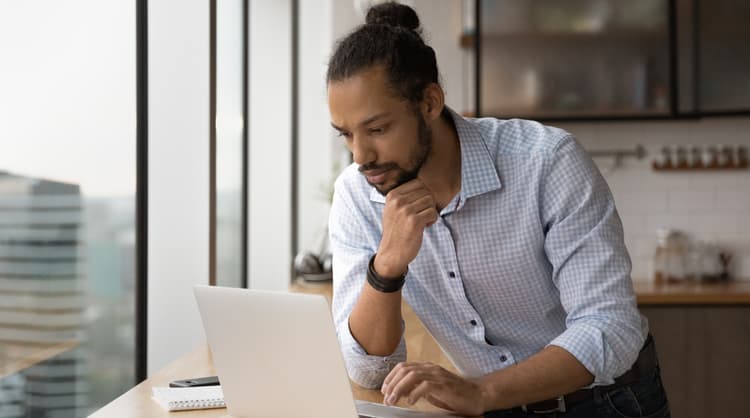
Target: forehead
360,96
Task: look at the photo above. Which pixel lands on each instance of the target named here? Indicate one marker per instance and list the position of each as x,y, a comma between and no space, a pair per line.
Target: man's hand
438,386
409,209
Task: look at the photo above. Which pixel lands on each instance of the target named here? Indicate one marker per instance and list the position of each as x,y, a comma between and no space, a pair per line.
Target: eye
377,131
344,134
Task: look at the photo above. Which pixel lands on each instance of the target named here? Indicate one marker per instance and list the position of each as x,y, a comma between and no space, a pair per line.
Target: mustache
374,166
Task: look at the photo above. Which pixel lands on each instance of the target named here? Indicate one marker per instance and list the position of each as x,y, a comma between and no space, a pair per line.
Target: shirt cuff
604,358
364,369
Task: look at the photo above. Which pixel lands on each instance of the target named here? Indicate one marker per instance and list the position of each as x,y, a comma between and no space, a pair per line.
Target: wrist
386,269
486,394
382,284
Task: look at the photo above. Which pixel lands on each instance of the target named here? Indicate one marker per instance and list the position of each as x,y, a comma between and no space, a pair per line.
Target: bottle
660,256
721,156
696,160
710,157
676,257
727,155
681,156
693,260
666,158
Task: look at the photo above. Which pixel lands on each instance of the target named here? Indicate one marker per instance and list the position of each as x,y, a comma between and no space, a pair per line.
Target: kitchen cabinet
722,49
703,352
610,59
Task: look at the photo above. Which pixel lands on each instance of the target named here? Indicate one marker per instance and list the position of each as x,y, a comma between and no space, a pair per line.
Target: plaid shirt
529,253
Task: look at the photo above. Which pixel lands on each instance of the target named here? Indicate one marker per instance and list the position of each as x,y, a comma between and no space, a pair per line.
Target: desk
137,401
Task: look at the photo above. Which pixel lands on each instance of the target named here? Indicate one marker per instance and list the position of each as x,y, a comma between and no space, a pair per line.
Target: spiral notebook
179,399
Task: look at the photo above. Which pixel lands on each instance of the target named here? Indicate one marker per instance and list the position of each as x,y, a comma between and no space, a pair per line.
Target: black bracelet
382,284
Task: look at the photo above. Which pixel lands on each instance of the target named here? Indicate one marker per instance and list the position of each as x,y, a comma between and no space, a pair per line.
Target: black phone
198,381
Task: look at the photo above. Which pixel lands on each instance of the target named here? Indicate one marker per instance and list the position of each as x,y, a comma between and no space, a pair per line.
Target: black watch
382,284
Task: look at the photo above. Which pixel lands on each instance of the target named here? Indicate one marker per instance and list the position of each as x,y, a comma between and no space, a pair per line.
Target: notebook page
177,399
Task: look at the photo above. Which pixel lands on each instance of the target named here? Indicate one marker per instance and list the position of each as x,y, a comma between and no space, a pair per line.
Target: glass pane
724,51
67,205
574,58
229,131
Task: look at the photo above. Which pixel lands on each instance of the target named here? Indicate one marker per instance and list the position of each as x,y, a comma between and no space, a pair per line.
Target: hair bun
393,14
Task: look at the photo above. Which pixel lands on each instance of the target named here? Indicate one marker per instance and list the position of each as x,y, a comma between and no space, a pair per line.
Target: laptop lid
276,354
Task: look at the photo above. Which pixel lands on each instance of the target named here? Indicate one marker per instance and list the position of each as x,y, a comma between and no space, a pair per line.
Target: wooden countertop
648,293
692,293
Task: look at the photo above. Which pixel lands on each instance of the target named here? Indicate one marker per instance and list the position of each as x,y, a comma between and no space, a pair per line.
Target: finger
411,379
427,216
415,195
404,199
419,391
408,187
420,204
393,377
396,376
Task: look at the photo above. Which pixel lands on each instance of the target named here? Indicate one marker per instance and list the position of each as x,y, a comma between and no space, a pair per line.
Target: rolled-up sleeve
591,267
354,239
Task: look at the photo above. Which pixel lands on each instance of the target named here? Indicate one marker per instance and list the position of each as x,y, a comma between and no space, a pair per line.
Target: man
501,235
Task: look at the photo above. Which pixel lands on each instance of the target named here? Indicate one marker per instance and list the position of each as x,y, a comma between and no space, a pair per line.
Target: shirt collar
478,172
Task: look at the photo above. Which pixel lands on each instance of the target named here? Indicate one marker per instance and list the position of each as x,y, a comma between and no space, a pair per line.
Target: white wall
321,154
178,36
316,144
270,252
710,206
442,25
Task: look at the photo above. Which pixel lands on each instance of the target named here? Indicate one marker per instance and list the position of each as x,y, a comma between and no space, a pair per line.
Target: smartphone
198,381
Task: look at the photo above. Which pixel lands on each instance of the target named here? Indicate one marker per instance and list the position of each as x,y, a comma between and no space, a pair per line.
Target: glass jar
660,256
670,256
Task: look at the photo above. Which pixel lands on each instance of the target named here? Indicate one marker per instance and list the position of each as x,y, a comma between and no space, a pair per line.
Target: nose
362,152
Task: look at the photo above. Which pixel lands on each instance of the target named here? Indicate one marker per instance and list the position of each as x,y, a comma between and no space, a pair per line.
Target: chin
384,188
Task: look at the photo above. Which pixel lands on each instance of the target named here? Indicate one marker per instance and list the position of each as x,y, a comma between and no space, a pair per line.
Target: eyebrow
367,121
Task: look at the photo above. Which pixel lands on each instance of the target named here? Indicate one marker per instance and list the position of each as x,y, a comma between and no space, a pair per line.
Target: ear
433,101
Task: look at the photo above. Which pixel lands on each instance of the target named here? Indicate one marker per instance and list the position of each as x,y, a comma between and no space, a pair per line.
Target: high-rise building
43,338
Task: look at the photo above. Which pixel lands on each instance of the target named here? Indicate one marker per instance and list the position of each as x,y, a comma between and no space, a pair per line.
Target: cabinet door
672,331
703,352
573,58
723,55
726,366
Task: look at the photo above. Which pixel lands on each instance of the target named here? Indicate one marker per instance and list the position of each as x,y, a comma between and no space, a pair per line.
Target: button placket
451,258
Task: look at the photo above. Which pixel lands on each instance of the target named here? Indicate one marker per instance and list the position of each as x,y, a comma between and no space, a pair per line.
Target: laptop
277,356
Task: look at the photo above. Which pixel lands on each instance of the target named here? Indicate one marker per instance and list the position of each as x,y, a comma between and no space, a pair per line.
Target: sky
67,92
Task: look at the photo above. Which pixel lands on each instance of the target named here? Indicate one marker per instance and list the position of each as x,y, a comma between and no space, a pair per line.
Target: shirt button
473,322
452,274
503,358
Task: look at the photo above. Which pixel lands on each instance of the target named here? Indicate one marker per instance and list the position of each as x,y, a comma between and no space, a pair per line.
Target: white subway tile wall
708,205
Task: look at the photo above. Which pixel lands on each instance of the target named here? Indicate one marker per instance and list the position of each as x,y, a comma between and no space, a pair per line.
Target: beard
416,160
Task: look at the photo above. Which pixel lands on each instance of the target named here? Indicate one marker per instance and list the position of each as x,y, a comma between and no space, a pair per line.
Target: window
230,143
67,205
